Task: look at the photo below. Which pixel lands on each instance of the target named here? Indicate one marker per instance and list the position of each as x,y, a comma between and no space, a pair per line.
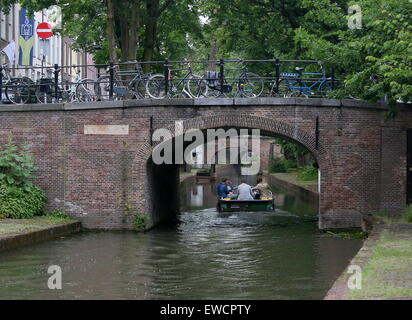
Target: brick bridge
94,160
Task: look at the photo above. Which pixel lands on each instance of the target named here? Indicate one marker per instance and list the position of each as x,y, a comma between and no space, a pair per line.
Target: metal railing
166,79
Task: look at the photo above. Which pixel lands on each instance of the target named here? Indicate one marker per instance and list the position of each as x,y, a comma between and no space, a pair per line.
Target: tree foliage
374,62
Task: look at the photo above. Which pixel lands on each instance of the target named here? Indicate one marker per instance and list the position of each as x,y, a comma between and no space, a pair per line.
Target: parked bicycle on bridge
78,91
304,84
188,86
246,84
16,90
127,84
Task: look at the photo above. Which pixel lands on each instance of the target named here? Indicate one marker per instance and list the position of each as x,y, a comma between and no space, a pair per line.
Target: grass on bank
16,226
388,272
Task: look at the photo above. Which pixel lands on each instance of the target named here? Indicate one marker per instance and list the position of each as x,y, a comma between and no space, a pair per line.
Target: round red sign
44,30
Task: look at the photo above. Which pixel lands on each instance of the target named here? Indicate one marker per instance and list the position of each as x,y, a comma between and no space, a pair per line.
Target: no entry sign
44,30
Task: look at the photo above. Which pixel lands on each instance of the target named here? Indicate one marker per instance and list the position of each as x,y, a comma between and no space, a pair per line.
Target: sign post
44,31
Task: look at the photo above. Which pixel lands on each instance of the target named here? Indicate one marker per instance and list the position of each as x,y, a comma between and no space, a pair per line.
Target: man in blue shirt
222,188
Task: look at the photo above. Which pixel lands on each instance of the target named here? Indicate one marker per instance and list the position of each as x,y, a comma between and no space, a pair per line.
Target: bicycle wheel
249,85
155,86
137,89
283,89
44,96
85,91
102,89
324,88
197,87
17,91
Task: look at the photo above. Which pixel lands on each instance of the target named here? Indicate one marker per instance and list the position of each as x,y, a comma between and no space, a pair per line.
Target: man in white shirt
245,191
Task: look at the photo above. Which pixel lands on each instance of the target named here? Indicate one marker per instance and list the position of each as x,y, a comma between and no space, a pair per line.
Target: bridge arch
169,205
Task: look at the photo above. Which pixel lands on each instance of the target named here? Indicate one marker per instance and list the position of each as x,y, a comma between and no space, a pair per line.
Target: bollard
166,73
111,80
56,81
221,75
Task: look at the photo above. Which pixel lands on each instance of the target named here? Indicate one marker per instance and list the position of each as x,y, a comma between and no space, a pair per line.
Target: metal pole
1,83
221,75
166,73
111,79
151,130
56,81
333,78
317,134
277,74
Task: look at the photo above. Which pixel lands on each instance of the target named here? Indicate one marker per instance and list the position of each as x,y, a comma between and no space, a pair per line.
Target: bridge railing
166,79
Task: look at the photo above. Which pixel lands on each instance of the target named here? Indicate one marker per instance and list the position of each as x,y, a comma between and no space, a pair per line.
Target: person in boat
223,189
262,189
244,191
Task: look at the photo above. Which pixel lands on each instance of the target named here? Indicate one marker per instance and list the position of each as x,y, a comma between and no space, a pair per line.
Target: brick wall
105,179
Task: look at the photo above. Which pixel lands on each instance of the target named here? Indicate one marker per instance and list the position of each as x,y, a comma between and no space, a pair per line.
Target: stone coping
201,102
23,238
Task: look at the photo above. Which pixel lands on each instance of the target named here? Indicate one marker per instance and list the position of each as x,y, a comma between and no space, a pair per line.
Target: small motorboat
232,205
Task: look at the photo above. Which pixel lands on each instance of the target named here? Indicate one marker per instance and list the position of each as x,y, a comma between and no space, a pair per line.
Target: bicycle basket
121,91
212,78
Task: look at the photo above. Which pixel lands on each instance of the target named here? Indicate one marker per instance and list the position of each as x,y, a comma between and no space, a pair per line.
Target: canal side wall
299,191
24,238
93,158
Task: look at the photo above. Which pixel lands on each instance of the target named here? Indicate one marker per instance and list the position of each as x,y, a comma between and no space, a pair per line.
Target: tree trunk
153,15
213,54
110,31
134,26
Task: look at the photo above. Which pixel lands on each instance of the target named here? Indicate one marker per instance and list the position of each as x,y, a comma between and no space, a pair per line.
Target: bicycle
189,86
78,90
247,84
123,88
17,90
294,84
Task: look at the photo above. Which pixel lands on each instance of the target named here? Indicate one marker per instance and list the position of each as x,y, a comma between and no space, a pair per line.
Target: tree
376,60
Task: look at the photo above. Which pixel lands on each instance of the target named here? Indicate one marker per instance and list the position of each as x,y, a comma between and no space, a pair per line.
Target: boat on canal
233,205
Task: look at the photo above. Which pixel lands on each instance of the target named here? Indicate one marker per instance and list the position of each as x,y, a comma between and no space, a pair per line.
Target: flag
10,51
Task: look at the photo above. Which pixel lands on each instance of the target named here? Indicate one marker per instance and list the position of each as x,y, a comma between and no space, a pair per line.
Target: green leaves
16,166
19,197
20,203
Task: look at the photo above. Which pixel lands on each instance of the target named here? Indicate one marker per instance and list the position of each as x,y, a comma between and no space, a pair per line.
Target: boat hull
245,205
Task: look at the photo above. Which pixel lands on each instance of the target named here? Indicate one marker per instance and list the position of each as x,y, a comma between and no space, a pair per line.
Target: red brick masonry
104,180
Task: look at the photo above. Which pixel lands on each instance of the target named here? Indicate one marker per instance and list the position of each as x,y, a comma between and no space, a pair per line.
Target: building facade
36,57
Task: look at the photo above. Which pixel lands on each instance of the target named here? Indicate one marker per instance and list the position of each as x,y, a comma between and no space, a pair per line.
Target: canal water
276,255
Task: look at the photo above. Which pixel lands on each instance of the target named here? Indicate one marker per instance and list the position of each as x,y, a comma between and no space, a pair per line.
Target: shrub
408,213
308,173
281,165
19,203
16,166
58,214
139,222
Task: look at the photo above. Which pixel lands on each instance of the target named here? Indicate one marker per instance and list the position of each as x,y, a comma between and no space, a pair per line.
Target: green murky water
278,255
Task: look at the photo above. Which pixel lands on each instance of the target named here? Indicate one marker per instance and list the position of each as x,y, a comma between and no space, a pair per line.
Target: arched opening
164,198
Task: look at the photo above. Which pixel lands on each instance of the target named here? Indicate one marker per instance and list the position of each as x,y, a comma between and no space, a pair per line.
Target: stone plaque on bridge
107,129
